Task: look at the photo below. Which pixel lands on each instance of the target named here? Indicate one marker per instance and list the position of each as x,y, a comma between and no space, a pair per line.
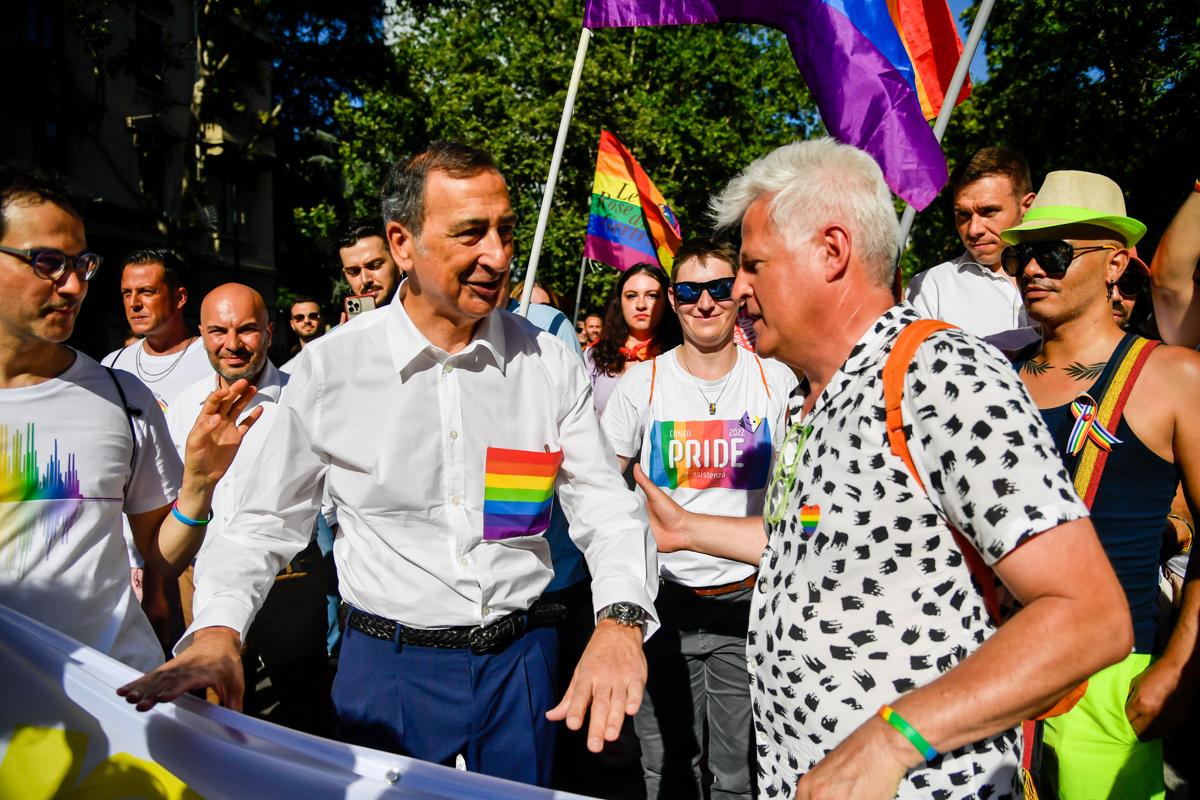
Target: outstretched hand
610,679
212,661
667,518
217,434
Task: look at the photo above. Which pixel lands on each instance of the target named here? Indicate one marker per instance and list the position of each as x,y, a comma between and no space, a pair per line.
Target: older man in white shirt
443,498
286,644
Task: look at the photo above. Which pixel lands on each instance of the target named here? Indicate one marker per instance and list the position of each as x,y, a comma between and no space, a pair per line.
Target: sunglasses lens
721,289
687,292
1131,283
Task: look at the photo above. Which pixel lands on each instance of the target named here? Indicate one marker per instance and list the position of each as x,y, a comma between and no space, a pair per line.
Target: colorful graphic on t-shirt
39,504
518,492
709,454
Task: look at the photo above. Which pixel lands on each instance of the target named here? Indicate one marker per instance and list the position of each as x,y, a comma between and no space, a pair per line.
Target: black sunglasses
1132,281
52,264
1053,257
690,291
315,316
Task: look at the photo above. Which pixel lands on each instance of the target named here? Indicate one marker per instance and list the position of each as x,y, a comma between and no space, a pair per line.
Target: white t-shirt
65,456
163,375
709,463
975,298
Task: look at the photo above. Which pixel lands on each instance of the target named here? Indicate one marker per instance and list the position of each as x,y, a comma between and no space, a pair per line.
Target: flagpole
956,84
579,290
555,162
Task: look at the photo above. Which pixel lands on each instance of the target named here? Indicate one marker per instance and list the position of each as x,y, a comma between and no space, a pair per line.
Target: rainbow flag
518,492
878,69
629,222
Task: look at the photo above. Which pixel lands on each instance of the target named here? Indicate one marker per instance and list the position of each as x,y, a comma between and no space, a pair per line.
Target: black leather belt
480,639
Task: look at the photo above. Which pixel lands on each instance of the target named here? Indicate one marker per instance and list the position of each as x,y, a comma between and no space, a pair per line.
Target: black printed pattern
875,599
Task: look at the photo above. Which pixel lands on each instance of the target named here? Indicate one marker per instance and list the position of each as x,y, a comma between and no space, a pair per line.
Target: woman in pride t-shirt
704,420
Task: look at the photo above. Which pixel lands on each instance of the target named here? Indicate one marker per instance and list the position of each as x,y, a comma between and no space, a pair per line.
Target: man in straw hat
1122,414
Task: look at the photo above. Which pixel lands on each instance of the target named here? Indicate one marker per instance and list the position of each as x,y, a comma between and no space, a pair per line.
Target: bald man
286,643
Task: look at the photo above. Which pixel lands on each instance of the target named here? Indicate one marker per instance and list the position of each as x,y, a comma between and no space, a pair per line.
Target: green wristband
909,732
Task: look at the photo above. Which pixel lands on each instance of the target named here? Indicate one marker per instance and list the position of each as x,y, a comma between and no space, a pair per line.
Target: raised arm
1173,277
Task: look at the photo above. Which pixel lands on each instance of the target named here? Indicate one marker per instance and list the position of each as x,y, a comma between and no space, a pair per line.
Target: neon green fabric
1092,752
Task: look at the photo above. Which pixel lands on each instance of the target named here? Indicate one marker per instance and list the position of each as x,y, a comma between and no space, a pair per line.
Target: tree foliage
694,104
1110,88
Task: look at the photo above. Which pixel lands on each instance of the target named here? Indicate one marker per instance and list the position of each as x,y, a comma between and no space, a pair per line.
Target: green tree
1110,88
694,104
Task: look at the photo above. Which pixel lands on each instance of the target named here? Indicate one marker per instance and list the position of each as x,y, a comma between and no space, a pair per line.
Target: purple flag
857,67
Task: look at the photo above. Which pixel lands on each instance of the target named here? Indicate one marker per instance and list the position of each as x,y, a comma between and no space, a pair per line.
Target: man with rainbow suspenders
1122,413
705,419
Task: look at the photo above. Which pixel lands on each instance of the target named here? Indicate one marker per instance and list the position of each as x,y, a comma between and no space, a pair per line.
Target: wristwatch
628,614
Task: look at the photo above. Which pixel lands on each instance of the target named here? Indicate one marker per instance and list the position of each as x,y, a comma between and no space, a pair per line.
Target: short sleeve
157,468
983,451
624,416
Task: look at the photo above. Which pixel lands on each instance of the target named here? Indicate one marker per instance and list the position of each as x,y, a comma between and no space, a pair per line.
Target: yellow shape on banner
44,763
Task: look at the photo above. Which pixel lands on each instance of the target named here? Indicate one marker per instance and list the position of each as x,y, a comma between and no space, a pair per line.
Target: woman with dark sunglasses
635,329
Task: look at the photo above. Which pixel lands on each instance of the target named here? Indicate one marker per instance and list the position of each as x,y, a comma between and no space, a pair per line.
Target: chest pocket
518,492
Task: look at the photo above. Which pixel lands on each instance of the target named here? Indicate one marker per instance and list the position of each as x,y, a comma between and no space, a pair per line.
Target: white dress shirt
181,416
403,436
977,299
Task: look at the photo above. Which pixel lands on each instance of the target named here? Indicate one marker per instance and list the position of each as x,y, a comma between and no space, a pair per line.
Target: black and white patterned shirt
863,594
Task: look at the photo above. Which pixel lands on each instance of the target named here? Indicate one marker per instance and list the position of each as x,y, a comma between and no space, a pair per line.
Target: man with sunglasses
1067,257
878,670
704,421
92,442
304,317
1128,289
990,191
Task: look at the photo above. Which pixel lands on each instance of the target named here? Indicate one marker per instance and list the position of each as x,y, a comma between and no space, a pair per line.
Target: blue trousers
435,704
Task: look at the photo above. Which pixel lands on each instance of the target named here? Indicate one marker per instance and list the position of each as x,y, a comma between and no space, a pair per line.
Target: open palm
217,434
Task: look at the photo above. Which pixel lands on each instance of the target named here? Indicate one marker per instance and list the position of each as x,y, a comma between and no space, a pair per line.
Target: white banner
64,732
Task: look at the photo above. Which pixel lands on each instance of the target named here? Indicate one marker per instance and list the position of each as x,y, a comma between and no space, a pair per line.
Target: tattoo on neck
1036,367
1085,372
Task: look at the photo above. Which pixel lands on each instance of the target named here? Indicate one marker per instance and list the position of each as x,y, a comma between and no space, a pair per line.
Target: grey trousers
698,681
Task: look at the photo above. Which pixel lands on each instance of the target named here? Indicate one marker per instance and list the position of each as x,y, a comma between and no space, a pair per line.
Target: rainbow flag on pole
878,69
629,222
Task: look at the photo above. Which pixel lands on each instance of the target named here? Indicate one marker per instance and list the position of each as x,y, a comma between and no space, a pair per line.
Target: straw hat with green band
1074,197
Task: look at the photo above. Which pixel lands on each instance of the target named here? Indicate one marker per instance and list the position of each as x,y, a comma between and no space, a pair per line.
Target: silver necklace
154,377
712,404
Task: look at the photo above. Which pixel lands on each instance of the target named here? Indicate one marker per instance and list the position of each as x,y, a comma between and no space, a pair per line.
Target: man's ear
181,297
836,245
400,244
1116,266
270,333
1025,203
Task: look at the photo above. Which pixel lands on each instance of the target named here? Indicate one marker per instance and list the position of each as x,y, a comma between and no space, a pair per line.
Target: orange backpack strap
762,374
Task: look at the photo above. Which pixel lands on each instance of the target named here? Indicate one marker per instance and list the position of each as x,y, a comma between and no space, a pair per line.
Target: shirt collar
270,384
407,343
878,336
965,263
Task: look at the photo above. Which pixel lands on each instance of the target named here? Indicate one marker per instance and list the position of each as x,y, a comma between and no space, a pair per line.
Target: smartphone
356,304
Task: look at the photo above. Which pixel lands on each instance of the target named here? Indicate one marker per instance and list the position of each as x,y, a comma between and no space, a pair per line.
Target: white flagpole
555,162
956,84
579,290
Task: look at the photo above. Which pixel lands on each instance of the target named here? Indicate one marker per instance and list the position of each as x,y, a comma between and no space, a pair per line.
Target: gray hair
815,182
403,196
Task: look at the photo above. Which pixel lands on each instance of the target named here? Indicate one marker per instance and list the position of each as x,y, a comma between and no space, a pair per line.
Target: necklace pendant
712,409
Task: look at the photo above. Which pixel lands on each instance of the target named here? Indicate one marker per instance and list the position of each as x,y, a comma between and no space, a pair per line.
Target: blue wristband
186,520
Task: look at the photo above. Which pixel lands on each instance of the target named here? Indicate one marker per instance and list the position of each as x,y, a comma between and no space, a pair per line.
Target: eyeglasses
1052,257
690,291
1132,281
52,264
783,476
314,316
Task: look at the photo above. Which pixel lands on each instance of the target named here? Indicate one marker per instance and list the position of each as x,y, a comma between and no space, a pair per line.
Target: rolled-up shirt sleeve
608,521
274,519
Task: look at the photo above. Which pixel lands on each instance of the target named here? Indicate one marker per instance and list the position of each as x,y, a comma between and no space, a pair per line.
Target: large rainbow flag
629,222
878,69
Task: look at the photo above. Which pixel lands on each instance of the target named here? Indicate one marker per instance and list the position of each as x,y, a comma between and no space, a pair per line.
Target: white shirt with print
709,463
66,453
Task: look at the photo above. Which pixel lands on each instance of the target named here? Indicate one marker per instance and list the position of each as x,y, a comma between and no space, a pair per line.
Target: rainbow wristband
909,732
186,520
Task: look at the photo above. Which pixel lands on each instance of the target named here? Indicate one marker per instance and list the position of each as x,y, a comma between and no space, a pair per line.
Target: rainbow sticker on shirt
710,454
518,492
37,504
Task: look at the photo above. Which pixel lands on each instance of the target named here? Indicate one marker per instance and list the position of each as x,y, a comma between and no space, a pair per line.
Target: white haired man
877,671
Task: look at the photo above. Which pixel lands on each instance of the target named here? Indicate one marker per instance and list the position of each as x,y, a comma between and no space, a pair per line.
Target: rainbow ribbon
1088,427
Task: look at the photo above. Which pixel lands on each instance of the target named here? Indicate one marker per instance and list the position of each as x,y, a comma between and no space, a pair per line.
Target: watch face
626,613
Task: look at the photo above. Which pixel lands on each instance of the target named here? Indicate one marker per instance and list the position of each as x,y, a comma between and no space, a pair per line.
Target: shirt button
453,434
456,499
447,368
486,611
462,561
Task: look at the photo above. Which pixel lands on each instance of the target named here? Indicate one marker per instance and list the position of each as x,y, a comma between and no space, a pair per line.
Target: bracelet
909,732
186,520
1190,528
1196,186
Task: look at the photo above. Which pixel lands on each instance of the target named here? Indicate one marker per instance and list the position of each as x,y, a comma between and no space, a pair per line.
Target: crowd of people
757,523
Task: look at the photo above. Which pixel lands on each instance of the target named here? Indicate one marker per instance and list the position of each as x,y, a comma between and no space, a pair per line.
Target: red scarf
641,352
